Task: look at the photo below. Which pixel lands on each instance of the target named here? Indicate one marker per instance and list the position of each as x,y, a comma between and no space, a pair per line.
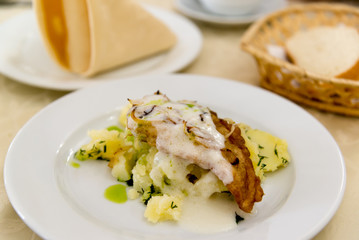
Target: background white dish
193,9
59,202
24,57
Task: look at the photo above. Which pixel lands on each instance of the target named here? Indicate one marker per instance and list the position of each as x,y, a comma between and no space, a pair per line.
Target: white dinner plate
59,201
195,10
23,56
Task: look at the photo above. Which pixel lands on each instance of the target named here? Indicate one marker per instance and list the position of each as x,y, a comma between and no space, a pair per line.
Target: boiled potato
162,208
268,153
103,145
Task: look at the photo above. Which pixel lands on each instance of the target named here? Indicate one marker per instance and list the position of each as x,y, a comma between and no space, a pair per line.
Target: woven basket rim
246,45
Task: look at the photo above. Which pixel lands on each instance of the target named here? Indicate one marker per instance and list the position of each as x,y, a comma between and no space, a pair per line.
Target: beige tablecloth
220,56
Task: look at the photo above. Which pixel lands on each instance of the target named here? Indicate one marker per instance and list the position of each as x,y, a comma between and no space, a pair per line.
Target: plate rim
312,233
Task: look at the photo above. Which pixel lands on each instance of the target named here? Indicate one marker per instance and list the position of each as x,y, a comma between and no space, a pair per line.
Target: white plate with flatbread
24,58
59,201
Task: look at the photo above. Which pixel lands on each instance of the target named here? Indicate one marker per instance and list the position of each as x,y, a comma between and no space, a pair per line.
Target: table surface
220,57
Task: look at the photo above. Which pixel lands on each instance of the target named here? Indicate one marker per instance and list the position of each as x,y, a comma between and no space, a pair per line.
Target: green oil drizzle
74,164
116,193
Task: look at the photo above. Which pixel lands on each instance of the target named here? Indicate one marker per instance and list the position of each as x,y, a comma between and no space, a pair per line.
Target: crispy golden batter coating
246,186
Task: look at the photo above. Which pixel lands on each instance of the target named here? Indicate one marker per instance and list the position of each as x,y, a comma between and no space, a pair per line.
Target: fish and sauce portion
172,150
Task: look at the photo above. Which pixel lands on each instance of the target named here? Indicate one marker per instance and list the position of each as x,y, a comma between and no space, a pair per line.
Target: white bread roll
326,51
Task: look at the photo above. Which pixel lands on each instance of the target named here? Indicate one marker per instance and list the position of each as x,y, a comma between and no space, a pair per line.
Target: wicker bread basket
280,76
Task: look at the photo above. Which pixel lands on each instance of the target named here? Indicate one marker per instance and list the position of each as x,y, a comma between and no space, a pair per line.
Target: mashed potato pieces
162,208
103,145
268,153
162,180
161,177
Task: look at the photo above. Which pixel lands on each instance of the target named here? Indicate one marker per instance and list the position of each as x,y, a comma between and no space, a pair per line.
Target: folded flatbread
90,36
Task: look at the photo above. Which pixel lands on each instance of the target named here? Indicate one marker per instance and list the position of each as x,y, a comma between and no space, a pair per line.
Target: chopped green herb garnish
145,200
284,161
114,128
80,155
166,180
263,165
152,189
94,153
190,105
260,146
149,193
275,150
129,182
173,205
238,218
260,159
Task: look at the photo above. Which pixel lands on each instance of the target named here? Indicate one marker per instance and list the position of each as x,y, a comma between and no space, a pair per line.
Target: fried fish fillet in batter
246,186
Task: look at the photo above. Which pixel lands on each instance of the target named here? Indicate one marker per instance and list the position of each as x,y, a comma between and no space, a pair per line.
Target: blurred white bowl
230,7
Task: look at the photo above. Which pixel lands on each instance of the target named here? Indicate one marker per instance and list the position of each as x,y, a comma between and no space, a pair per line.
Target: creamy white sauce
208,215
179,125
